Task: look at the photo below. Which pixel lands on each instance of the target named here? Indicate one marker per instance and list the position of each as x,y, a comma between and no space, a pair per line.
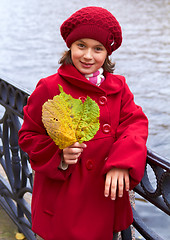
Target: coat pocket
49,196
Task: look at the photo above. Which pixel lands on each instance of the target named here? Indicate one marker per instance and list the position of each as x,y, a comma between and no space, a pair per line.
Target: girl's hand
116,179
72,153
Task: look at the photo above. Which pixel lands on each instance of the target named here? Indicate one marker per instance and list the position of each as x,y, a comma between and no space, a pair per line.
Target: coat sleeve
43,153
129,150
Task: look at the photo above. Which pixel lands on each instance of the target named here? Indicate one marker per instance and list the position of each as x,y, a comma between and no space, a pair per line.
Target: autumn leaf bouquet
68,120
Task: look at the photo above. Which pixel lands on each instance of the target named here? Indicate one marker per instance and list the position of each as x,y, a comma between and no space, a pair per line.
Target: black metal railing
158,193
16,180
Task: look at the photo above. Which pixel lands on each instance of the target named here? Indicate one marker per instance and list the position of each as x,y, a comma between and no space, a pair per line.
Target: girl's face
88,55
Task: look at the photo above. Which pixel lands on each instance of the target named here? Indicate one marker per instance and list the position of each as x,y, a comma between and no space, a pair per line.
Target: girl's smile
88,55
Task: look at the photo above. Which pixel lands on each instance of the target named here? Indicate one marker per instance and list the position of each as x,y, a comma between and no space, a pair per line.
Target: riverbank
8,229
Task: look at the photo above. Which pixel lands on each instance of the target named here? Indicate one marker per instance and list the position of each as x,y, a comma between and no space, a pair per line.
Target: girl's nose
88,54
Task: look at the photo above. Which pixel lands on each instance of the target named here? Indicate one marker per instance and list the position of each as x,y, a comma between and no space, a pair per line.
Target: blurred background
31,45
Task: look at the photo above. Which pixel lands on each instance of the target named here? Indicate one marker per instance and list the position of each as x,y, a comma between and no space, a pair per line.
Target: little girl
81,192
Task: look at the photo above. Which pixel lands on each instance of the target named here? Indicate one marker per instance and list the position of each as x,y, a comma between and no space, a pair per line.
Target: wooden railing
16,180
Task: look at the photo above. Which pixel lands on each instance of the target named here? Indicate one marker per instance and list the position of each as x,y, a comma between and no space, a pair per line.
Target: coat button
106,128
82,98
89,164
102,100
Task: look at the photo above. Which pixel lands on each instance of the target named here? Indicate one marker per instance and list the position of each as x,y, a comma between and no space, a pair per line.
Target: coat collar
111,85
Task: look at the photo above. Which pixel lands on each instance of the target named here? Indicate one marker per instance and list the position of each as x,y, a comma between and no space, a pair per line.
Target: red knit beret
93,22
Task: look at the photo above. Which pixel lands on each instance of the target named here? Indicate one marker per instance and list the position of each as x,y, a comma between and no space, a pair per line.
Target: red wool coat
71,204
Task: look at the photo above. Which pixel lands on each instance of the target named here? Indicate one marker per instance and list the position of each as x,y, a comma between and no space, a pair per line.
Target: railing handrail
15,164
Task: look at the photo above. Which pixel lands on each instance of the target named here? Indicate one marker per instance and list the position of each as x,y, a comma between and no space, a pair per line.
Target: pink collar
96,78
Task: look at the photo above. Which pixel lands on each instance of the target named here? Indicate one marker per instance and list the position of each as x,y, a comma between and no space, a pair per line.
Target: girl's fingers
69,162
110,187
120,186
123,183
107,186
113,188
78,145
72,156
127,182
73,150
72,153
116,181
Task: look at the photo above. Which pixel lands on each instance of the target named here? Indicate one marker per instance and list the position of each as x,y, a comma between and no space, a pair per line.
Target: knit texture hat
93,22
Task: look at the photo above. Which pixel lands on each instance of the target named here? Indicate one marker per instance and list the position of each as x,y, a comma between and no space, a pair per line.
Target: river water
31,45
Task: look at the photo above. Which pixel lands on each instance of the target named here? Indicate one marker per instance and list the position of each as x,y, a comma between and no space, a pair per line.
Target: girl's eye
81,45
98,49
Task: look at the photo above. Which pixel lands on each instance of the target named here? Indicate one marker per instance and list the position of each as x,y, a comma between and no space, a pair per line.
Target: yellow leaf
67,120
19,236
